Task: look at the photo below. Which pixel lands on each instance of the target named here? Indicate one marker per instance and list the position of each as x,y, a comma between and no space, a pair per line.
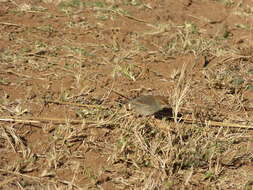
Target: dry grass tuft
61,127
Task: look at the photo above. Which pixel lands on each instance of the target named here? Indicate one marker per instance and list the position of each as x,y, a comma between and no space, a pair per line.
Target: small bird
147,104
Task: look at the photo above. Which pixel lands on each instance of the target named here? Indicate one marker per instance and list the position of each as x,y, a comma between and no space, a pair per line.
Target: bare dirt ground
61,62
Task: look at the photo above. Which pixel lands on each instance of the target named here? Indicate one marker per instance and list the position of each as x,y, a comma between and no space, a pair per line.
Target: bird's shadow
165,113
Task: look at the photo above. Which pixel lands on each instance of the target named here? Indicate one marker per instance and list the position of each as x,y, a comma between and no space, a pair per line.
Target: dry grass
61,127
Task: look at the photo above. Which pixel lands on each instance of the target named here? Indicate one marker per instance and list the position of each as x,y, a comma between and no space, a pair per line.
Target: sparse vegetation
63,124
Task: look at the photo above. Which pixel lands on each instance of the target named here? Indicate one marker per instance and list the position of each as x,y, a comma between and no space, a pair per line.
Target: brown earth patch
64,60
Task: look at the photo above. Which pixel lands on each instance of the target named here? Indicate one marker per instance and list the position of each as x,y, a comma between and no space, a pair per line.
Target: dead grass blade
42,119
180,93
76,121
38,179
110,120
215,124
73,104
22,175
229,125
9,24
5,182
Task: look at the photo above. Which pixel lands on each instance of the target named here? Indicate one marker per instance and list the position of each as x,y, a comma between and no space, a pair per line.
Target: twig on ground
73,104
9,24
76,121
